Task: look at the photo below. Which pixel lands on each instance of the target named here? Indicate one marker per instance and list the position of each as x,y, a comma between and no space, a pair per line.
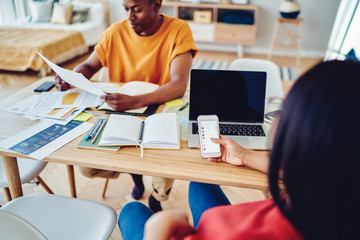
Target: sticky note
83,117
174,103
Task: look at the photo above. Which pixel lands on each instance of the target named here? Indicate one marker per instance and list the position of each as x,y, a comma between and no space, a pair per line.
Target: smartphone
44,87
208,128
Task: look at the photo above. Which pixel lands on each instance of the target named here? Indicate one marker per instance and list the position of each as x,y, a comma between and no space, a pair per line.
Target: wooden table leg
13,176
7,194
70,169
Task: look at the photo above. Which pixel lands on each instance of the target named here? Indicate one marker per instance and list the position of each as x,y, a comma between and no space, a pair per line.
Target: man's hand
122,102
61,85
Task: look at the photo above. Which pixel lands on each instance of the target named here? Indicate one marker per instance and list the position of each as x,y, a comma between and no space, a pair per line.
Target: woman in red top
316,154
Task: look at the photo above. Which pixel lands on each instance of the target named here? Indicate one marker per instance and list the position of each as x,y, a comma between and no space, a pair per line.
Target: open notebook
159,131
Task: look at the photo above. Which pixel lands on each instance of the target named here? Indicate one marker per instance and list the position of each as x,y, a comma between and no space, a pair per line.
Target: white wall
318,15
117,11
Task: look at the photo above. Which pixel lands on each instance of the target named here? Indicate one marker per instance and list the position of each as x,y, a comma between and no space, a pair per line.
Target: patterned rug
286,73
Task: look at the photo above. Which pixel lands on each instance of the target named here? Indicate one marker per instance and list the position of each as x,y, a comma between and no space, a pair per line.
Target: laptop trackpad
244,142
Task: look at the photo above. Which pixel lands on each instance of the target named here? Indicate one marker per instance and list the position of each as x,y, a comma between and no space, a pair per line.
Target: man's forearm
86,70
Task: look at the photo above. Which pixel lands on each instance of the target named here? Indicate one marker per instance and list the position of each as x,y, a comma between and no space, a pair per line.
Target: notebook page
161,130
121,130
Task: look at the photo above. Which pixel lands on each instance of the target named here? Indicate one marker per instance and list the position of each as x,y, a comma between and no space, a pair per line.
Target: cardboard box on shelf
203,16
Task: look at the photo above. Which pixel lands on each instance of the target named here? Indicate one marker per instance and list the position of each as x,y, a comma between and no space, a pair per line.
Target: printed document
54,115
44,138
72,98
74,78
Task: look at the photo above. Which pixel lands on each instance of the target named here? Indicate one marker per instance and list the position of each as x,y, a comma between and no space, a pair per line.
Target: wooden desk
184,164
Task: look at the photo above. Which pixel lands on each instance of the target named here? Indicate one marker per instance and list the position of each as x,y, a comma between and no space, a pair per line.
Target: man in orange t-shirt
147,46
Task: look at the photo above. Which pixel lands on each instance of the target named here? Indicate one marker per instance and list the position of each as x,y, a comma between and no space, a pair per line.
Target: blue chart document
44,138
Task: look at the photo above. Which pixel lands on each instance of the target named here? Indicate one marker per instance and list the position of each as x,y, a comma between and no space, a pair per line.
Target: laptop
237,98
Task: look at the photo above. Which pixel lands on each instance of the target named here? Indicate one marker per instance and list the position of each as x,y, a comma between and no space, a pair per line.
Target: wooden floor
118,194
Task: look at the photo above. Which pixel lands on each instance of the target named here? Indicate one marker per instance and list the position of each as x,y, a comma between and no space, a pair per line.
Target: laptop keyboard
236,129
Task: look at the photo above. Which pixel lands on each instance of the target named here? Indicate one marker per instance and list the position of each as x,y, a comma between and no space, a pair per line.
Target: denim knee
132,219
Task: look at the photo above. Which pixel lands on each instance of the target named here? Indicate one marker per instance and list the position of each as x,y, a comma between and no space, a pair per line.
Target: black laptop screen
234,96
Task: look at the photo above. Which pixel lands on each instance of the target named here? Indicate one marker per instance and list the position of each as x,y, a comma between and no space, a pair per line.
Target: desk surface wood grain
185,164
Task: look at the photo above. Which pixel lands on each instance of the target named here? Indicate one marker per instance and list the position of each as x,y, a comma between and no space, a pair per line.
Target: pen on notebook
141,131
87,136
96,128
90,132
99,130
183,107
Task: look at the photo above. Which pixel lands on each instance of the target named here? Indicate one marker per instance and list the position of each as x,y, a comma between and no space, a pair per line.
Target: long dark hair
316,148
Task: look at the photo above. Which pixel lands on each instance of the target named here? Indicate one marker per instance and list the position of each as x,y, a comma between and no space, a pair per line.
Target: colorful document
68,99
44,138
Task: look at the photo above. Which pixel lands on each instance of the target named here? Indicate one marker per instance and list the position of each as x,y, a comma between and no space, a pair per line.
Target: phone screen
209,129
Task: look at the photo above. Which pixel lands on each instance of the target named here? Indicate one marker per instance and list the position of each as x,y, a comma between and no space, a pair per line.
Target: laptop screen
234,96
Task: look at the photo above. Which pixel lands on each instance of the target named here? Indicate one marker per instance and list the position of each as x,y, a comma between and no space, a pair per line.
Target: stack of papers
60,107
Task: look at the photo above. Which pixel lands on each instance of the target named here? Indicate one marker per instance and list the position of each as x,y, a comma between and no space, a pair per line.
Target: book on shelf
158,131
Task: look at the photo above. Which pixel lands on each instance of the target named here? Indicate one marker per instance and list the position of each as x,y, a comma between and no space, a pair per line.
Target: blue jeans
202,196
132,220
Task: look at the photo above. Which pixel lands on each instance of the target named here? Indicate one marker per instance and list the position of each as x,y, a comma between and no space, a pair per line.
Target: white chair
273,80
59,217
28,170
16,228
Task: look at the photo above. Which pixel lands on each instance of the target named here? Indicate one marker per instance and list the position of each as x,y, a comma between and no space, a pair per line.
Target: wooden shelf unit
216,31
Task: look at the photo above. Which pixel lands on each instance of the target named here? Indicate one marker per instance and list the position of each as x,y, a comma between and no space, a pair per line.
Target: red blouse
254,220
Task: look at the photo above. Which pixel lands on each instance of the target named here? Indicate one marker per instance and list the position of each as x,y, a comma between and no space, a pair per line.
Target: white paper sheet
55,120
25,105
44,138
71,98
74,78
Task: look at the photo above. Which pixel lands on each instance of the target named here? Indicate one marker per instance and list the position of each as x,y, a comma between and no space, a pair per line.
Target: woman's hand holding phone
231,152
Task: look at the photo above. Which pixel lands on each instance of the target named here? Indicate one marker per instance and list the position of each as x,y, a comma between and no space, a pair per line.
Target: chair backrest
28,169
60,217
273,80
16,228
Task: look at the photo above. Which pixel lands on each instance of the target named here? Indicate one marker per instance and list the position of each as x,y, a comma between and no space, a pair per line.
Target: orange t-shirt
130,57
